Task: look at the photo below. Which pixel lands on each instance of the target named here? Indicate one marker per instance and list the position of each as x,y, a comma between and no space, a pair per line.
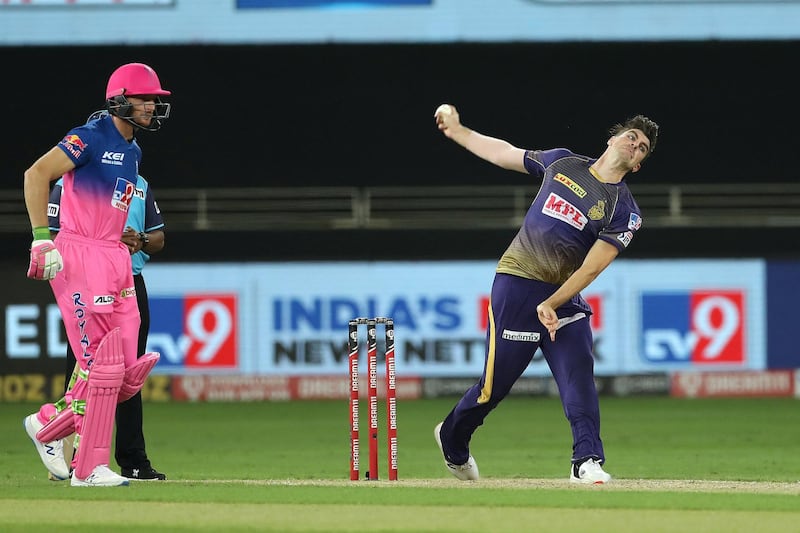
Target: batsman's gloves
46,260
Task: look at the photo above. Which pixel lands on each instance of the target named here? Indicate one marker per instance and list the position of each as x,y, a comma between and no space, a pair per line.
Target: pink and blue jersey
98,191
143,215
95,291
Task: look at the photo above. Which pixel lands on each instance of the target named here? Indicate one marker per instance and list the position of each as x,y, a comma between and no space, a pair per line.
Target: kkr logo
560,209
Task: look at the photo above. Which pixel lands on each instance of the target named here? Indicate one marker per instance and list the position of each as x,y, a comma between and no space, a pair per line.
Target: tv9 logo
194,331
695,328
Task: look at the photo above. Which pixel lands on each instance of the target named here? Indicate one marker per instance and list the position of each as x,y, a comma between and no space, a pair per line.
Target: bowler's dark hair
639,122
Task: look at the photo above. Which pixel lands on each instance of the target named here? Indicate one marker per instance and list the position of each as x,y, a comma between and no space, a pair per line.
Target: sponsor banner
634,385
525,386
641,384
706,315
292,319
32,338
275,388
297,316
783,293
82,3
700,327
733,384
45,22
195,331
328,4
41,388
797,383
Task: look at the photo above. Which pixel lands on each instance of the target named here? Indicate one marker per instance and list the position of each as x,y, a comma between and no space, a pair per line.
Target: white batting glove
46,260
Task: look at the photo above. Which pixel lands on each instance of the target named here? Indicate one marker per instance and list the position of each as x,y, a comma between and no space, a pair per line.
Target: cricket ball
444,109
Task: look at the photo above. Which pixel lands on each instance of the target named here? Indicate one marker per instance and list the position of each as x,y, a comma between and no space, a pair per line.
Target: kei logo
698,327
198,331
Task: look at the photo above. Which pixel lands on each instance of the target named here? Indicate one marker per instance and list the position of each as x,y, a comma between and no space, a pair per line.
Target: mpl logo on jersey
194,331
694,328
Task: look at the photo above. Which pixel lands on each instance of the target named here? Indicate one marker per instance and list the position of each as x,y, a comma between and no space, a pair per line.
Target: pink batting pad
136,374
93,444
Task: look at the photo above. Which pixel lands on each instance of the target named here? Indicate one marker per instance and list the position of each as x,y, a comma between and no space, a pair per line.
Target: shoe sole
579,481
160,477
79,483
105,478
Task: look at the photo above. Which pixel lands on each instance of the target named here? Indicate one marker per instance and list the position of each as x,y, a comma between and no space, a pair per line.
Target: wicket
391,396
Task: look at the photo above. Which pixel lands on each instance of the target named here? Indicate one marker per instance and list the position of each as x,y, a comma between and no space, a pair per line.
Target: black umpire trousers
129,448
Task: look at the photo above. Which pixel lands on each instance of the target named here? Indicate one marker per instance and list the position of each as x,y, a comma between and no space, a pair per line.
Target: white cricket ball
444,109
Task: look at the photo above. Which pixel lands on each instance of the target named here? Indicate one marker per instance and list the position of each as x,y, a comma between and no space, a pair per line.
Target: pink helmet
134,79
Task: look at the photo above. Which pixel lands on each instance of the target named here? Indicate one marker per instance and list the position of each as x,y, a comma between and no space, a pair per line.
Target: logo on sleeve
127,292
634,222
52,210
560,209
625,238
74,145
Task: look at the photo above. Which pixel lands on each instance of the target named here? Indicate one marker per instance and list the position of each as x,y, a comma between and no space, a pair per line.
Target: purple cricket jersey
570,212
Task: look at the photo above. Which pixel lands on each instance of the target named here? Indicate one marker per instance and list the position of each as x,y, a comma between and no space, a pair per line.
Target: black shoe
147,473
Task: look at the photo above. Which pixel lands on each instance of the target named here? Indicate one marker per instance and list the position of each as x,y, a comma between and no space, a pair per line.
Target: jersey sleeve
152,214
625,222
537,161
78,145
54,207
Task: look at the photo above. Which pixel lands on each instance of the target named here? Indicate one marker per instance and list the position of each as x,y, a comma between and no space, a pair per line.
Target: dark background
362,115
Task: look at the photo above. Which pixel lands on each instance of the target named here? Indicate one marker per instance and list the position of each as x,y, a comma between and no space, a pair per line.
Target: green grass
284,467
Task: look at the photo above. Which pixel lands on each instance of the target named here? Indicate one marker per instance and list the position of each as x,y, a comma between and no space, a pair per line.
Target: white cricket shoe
589,473
101,476
466,472
51,453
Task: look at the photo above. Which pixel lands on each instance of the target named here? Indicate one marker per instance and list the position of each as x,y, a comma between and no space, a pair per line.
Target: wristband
41,233
145,238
